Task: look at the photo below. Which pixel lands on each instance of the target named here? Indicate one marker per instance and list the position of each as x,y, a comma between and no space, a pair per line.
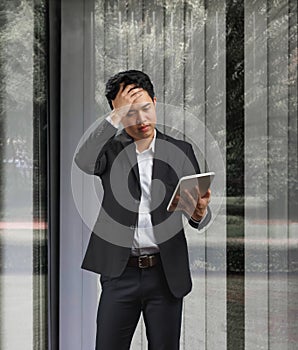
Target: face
140,120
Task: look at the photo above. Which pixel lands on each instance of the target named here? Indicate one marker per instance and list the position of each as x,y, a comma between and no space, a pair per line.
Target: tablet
189,182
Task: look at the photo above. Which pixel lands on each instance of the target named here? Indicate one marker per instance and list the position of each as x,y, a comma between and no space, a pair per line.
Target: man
137,246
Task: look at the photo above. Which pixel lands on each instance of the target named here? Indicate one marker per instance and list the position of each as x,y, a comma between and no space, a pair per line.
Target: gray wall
78,289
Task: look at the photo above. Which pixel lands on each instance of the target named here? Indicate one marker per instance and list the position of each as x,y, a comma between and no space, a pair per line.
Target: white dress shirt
144,240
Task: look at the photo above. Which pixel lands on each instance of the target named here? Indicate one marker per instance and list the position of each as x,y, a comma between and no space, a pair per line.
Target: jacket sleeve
91,155
206,219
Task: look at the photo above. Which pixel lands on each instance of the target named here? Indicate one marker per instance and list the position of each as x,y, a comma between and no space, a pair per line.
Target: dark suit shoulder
183,145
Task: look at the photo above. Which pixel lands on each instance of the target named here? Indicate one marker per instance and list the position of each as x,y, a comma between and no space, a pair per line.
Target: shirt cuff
109,119
196,223
199,221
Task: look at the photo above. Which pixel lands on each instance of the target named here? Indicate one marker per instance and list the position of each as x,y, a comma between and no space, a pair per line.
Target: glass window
23,166
233,66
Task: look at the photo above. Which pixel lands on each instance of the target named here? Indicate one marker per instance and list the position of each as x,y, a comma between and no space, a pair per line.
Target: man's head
132,92
135,77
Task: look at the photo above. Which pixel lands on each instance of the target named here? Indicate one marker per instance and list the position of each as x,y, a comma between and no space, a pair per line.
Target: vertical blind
271,175
183,46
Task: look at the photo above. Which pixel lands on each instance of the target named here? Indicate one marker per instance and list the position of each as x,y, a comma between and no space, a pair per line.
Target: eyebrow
146,105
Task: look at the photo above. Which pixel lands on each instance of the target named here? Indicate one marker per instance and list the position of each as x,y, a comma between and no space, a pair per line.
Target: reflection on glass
181,45
23,209
270,184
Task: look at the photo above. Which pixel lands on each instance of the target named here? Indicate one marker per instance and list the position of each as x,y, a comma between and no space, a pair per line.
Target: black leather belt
143,261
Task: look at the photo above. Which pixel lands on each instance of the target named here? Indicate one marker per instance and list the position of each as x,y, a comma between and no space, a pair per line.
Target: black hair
136,77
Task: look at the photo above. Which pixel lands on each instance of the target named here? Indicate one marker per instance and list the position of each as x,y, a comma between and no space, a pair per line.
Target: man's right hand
123,100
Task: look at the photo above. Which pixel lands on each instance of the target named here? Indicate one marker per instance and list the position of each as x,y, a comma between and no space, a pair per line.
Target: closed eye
146,107
131,113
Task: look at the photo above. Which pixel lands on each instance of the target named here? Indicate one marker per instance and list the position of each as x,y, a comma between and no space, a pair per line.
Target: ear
154,101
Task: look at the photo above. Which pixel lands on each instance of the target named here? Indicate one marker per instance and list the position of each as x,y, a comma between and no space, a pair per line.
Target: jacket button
132,227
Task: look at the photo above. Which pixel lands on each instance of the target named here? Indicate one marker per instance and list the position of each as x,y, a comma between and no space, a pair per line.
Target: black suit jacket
112,157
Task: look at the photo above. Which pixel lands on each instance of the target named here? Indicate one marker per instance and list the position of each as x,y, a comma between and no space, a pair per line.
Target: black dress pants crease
122,301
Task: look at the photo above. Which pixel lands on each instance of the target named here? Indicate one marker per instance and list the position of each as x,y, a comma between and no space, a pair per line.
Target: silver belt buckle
141,260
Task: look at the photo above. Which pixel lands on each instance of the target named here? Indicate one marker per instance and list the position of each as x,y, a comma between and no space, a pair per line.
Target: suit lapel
160,173
160,154
160,162
130,149
161,157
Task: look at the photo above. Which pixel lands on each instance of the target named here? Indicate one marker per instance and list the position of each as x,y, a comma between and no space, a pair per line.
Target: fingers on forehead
129,87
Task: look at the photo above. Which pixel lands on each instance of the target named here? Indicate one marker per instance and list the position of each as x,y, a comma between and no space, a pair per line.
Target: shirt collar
151,146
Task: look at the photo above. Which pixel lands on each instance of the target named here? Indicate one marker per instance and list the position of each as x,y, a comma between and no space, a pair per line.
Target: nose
142,117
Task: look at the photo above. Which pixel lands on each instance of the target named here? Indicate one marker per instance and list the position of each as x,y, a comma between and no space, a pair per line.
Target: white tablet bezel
204,184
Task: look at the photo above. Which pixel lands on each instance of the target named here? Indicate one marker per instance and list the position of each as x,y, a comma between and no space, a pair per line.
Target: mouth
144,128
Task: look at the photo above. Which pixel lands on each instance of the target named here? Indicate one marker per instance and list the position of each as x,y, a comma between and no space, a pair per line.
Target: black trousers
122,301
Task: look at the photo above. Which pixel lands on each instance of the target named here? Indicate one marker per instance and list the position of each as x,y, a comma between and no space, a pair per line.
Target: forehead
144,98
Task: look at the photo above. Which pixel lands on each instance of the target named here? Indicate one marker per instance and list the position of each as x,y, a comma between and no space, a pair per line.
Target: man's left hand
192,203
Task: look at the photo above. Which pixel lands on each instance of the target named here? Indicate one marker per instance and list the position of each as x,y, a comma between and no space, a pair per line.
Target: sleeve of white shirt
109,119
